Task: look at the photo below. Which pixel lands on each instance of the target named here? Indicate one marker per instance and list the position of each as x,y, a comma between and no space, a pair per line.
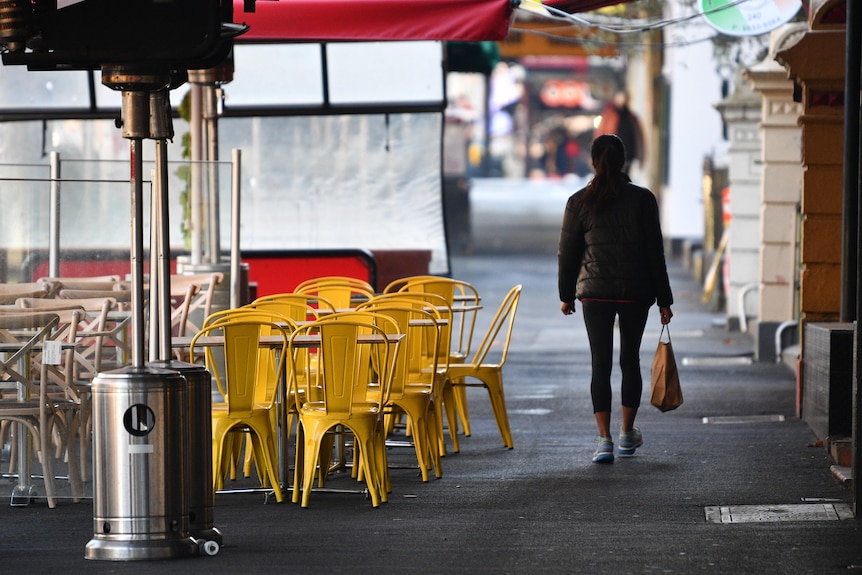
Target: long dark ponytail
609,156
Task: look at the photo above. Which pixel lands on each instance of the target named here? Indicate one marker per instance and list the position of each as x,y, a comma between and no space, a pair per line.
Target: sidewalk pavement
734,452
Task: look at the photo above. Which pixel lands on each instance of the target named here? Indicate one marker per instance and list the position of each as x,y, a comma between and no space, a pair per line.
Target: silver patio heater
140,445
198,415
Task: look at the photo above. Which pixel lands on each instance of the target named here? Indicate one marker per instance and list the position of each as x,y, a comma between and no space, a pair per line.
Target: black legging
599,318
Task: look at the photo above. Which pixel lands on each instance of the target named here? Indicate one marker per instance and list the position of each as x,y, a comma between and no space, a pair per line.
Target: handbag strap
664,328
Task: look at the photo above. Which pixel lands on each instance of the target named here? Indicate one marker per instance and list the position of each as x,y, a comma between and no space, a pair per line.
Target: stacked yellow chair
438,354
490,373
463,300
346,370
300,308
294,304
249,385
342,292
414,374
267,377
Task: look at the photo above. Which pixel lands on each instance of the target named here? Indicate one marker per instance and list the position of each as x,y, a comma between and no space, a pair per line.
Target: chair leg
368,454
235,452
248,457
69,436
255,446
492,380
460,394
218,480
417,419
75,467
324,457
264,445
381,462
311,456
434,437
356,470
420,444
451,416
57,441
272,465
43,437
499,404
438,420
13,448
223,449
84,421
299,452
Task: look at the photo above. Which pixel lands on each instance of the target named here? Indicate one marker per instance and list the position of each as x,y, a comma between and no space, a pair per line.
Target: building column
780,193
741,113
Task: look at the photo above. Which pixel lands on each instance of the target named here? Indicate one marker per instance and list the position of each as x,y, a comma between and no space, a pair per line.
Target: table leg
24,491
283,435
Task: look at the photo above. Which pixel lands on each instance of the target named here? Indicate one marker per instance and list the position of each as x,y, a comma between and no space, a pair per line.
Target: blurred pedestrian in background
618,119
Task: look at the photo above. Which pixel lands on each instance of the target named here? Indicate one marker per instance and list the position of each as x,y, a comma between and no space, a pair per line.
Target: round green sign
749,17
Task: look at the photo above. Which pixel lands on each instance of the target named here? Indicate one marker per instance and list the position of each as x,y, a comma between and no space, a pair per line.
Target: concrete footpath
731,482
544,507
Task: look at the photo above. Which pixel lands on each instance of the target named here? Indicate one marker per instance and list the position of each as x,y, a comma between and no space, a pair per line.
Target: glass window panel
106,97
349,181
380,72
32,90
276,74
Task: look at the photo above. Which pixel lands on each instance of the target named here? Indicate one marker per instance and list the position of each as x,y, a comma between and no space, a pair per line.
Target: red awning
373,20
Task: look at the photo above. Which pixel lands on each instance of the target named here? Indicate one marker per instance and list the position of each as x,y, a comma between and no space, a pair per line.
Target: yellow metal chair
299,308
343,376
413,378
268,378
443,391
490,374
294,302
249,397
343,292
267,372
461,296
464,301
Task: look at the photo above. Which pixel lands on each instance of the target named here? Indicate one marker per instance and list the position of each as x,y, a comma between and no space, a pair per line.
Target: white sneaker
604,451
630,441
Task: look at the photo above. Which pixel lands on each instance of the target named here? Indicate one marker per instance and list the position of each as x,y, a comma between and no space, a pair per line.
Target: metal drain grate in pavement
778,513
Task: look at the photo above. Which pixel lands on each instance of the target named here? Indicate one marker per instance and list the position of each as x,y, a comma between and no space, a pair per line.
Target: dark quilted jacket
616,254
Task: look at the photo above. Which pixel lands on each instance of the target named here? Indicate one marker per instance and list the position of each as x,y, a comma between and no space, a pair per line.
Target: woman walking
611,258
